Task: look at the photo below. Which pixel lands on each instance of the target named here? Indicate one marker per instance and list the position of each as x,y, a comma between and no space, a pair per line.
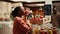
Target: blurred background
45,12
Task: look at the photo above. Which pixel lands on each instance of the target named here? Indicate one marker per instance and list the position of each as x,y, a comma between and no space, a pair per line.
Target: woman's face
24,11
27,11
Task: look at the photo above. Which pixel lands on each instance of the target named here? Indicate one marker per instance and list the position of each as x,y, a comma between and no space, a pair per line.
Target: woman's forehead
22,8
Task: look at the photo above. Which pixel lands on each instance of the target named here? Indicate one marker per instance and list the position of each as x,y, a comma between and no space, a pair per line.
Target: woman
20,25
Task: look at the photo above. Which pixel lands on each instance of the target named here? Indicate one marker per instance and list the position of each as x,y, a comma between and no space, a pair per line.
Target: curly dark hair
14,13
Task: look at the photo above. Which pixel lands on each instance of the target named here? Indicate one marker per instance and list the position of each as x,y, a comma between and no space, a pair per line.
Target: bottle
54,30
46,32
34,29
42,31
50,31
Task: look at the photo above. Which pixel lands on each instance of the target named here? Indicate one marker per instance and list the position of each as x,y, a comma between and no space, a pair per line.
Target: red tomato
36,19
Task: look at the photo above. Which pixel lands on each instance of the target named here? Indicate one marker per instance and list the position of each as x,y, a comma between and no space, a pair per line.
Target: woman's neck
24,17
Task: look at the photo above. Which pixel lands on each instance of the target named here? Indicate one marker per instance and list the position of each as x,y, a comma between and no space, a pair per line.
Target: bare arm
24,26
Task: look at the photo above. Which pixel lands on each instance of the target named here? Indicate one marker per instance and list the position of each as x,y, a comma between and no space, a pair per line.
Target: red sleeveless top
20,27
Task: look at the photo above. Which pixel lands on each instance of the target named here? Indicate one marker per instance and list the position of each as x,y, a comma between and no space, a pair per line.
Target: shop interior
47,16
